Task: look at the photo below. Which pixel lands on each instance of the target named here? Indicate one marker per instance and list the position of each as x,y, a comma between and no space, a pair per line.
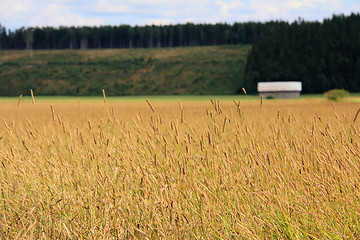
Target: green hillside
188,70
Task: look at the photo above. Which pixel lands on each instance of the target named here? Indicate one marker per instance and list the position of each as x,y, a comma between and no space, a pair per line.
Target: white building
279,89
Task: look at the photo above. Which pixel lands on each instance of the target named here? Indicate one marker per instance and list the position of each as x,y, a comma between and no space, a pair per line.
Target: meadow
191,168
157,71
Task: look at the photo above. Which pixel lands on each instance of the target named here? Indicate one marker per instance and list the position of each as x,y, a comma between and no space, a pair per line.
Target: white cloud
43,13
11,9
292,9
225,7
108,6
227,10
17,13
159,21
56,14
144,6
296,4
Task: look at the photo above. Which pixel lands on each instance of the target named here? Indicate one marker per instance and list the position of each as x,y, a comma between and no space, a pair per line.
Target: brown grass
289,171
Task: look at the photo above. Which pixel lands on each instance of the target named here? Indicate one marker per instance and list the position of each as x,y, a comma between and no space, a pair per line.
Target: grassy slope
192,70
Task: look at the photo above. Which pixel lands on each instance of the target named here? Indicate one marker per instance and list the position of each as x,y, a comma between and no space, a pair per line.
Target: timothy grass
207,169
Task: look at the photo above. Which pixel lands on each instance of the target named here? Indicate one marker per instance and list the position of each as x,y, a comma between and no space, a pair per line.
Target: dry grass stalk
184,178
63,126
356,115
151,107
59,119
238,108
182,116
213,102
103,92
333,106
18,103
244,90
28,122
52,112
236,104
5,124
224,124
216,103
32,96
261,101
180,105
181,112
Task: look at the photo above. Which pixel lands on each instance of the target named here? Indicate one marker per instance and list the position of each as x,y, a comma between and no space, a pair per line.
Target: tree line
322,56
125,36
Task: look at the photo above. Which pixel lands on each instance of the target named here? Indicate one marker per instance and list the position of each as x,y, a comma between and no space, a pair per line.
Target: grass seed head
32,96
356,115
103,92
18,103
244,90
151,107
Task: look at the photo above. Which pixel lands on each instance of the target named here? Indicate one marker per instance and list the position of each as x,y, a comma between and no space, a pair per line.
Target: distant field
165,71
353,98
158,98
194,169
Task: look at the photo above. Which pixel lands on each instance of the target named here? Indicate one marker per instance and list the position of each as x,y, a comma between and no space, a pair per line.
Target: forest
125,36
322,55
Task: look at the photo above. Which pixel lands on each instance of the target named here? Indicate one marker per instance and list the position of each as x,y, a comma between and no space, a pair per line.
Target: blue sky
17,13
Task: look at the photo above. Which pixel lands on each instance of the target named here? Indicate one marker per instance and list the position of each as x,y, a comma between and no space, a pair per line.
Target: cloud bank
15,14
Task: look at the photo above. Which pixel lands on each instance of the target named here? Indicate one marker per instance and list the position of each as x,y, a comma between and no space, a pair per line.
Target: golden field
189,170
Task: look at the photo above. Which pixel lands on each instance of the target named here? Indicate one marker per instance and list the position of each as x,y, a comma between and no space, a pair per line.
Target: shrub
336,94
270,97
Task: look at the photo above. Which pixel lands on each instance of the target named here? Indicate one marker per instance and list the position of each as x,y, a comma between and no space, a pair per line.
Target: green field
165,71
157,98
354,97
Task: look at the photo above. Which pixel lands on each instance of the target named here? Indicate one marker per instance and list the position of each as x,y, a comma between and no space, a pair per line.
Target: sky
38,13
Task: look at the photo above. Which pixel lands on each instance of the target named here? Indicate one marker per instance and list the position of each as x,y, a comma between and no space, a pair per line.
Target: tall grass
124,170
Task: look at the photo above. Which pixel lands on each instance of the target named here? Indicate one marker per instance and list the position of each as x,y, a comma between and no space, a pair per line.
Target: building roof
279,86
